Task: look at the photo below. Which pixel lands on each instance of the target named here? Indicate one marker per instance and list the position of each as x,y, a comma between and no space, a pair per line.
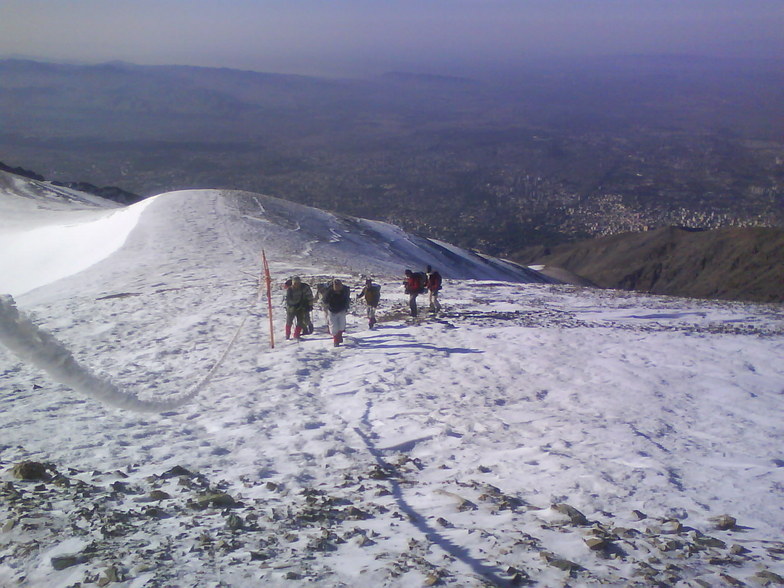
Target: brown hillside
728,264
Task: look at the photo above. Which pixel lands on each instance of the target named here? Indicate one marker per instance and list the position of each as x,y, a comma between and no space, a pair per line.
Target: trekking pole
268,282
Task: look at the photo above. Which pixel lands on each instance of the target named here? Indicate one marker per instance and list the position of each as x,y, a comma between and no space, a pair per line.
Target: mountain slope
530,433
242,224
728,264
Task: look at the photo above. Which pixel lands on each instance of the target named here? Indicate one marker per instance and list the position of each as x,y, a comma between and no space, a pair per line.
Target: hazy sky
338,37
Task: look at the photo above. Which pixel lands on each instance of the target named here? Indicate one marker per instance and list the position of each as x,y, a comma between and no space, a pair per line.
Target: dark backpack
372,294
421,282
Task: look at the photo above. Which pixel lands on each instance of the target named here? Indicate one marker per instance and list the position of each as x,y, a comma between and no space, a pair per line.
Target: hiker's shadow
405,341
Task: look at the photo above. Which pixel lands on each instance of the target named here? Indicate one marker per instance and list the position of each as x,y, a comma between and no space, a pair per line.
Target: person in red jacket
433,286
414,284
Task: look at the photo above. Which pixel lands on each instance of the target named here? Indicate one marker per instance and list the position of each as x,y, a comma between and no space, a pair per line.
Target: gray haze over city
497,125
362,37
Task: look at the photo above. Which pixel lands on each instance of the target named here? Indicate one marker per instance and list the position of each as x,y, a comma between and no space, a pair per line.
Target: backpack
435,281
372,295
421,281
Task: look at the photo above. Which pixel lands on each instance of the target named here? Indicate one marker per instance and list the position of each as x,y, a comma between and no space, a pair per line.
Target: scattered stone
736,549
363,540
575,516
156,513
235,522
646,570
355,514
565,565
177,471
159,495
724,522
639,515
381,473
730,580
561,564
61,481
517,577
768,578
671,526
596,543
61,562
707,541
219,499
30,470
110,575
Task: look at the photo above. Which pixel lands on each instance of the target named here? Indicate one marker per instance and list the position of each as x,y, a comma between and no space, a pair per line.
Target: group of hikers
335,299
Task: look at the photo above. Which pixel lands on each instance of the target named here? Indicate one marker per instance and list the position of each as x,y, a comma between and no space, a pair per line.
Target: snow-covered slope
530,432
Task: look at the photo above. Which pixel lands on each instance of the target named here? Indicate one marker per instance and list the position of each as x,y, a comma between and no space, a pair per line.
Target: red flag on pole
268,282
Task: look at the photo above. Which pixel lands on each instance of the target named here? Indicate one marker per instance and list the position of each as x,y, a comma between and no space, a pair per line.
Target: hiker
433,286
337,300
415,284
299,303
321,289
372,294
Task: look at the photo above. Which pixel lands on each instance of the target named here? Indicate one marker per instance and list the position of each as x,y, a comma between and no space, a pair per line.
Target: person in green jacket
372,294
299,303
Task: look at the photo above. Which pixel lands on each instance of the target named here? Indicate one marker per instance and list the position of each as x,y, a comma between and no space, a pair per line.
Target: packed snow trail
40,348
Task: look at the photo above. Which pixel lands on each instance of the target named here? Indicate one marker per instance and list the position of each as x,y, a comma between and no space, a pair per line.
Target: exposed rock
177,471
155,512
768,578
62,562
30,470
235,522
575,516
596,543
724,522
707,541
730,580
219,499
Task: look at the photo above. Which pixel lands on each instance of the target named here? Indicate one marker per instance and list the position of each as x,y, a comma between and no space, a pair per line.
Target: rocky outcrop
725,264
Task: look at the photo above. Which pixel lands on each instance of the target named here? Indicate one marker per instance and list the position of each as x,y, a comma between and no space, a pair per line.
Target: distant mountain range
557,152
728,264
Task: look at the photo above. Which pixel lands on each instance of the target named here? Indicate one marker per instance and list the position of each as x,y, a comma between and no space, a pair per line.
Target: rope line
40,348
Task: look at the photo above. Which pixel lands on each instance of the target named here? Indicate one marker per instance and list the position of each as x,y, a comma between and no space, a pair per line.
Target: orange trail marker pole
268,282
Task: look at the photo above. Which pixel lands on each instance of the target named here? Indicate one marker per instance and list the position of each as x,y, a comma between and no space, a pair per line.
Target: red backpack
421,281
